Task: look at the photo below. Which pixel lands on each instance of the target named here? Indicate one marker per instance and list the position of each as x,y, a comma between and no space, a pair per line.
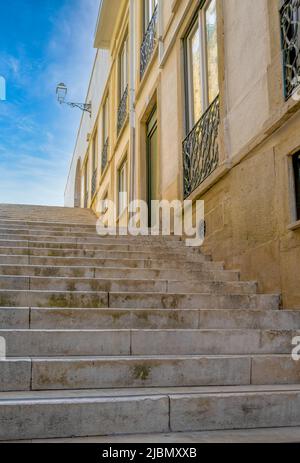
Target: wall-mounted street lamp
61,93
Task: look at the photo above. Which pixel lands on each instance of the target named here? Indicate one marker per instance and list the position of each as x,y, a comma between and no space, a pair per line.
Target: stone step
166,263
67,373
80,233
251,319
114,272
72,318
102,245
135,300
51,414
52,343
192,301
53,252
126,285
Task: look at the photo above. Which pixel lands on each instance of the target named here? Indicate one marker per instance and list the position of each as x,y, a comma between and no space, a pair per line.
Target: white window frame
200,24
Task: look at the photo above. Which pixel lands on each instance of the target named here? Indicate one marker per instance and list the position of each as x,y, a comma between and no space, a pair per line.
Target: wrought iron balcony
149,42
122,110
94,182
290,36
200,149
86,198
104,156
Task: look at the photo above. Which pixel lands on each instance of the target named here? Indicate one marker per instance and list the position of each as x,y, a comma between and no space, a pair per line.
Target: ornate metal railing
122,110
104,156
86,198
149,42
200,149
94,182
290,36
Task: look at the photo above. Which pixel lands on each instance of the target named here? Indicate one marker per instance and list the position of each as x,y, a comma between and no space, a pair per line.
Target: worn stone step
53,299
80,233
49,343
251,319
193,301
51,414
67,373
45,318
235,411
110,262
123,284
111,372
114,272
53,252
138,300
103,318
103,245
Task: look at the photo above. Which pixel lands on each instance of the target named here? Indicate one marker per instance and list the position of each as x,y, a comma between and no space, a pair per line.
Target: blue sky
42,43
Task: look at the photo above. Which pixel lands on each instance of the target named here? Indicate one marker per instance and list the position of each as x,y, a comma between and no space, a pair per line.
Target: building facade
195,99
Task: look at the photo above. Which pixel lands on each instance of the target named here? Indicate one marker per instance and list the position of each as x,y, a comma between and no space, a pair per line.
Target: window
122,188
105,134
94,162
105,121
123,82
85,185
149,8
290,37
201,57
95,151
123,68
296,166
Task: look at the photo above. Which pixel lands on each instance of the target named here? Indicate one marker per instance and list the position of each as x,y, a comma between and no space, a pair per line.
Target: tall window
105,121
124,68
149,8
123,82
105,134
122,188
201,52
95,151
94,162
296,165
290,37
85,185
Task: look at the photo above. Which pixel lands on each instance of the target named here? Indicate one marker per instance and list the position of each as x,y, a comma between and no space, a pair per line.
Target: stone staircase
120,335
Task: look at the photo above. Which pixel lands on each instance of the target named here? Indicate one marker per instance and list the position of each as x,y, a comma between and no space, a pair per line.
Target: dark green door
152,162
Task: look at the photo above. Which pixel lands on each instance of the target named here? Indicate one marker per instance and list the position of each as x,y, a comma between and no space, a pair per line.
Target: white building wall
95,93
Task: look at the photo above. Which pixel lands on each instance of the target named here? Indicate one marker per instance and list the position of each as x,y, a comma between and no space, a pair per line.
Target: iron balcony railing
104,156
94,182
290,37
149,42
122,110
86,198
200,149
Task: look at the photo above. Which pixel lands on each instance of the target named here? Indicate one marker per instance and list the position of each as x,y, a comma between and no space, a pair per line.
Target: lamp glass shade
61,92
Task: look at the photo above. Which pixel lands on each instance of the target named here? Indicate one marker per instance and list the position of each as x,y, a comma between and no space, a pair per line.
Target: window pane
212,51
195,77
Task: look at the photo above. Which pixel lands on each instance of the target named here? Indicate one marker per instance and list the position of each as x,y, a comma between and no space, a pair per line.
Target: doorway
152,163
